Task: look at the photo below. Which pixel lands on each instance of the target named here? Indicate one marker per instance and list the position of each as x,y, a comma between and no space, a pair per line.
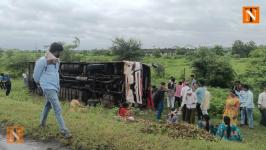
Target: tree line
208,63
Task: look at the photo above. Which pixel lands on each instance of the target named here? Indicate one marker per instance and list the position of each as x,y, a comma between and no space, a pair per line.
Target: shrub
159,70
157,54
236,56
217,103
17,63
243,49
167,57
216,71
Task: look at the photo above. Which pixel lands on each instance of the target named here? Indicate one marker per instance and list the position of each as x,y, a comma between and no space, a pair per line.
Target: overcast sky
27,24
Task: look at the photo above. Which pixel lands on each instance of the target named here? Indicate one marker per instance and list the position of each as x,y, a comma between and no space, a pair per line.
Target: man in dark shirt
159,99
6,83
2,81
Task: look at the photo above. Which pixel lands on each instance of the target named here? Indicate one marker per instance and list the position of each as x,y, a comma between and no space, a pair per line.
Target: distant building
165,51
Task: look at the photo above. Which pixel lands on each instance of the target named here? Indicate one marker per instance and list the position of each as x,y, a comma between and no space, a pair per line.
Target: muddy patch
30,145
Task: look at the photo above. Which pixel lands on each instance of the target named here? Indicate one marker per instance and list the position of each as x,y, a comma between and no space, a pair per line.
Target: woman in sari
231,107
228,132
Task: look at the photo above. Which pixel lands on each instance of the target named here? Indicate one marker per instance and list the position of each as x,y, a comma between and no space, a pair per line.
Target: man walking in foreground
47,76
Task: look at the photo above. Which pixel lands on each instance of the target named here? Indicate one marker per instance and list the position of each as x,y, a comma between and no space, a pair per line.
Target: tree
250,46
213,69
9,53
157,53
68,53
256,70
127,49
181,51
243,49
1,52
18,64
218,49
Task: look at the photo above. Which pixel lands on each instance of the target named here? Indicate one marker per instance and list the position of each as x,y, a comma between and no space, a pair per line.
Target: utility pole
185,73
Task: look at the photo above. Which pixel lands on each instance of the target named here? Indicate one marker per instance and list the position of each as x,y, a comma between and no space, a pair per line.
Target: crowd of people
5,83
190,102
189,98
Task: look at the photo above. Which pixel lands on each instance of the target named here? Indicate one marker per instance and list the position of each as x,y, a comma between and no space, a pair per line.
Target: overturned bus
108,83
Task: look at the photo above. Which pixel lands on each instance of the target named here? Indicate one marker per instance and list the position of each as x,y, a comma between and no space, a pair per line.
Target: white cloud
159,23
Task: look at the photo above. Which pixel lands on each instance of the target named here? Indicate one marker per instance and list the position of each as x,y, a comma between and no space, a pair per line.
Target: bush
256,70
216,71
157,54
217,103
17,63
159,70
236,56
167,57
101,52
178,56
259,52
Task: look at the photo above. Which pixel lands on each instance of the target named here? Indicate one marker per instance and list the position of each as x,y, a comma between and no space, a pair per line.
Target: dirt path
30,145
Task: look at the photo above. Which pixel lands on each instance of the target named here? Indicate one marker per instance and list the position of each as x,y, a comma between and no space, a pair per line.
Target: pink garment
51,59
178,90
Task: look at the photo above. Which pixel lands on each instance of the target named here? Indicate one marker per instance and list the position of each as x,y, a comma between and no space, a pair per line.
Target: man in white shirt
25,79
190,100
249,104
183,104
243,96
262,106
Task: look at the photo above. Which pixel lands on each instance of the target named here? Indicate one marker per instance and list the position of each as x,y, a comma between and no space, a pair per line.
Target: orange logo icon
251,15
15,134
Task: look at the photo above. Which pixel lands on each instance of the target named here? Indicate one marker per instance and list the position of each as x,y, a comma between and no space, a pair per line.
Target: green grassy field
173,67
98,128
240,64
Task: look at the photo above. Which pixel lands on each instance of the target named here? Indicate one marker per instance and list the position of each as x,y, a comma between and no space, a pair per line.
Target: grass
90,57
178,65
240,64
98,128
173,67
